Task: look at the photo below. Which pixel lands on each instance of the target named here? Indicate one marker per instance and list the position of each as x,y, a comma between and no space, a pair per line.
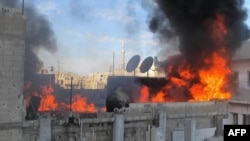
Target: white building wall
242,67
238,109
240,119
229,120
200,134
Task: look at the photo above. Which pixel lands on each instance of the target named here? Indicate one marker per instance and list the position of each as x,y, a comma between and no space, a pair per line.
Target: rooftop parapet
185,109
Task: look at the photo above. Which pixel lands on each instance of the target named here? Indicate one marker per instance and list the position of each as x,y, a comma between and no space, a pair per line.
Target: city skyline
90,34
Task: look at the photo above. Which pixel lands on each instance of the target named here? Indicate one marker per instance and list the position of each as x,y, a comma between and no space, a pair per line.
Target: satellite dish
146,64
133,63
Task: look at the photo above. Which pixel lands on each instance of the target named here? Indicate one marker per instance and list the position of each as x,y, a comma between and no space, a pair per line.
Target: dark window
235,118
246,119
236,77
248,78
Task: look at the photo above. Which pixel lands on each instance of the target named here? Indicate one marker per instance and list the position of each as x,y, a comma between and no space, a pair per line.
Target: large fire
49,101
81,105
213,81
206,83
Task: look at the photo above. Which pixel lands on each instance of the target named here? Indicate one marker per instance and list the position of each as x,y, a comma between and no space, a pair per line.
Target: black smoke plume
188,20
38,35
203,28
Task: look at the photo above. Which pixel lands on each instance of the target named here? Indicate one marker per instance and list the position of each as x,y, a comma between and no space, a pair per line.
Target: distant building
241,69
66,79
98,80
239,105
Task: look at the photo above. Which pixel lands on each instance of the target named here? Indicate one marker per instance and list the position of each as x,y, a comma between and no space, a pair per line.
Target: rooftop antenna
113,66
71,87
58,66
123,57
71,118
23,7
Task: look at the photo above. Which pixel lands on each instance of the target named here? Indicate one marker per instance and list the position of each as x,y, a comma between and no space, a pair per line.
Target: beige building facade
98,80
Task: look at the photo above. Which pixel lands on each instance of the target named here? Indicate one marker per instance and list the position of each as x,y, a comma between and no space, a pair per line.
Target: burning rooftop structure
162,109
208,32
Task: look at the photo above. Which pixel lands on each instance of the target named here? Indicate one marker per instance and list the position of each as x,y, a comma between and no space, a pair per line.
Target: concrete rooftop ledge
239,101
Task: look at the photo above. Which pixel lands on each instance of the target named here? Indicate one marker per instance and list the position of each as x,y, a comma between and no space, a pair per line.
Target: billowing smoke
189,20
9,3
208,32
38,35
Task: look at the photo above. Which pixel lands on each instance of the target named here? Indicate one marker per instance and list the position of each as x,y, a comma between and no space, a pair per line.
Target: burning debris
209,32
81,105
48,100
45,99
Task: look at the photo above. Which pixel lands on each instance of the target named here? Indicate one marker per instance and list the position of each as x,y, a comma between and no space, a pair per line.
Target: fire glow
50,103
48,100
81,105
207,82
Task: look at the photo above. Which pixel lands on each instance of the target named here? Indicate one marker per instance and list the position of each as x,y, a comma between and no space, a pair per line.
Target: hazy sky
88,32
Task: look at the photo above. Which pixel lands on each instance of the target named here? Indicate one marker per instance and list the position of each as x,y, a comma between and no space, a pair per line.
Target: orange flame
48,101
81,105
206,83
160,97
144,94
184,71
103,109
178,82
213,81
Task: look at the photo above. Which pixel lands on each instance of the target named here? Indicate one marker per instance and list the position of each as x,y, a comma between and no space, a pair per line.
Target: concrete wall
242,67
143,122
12,51
199,134
239,112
